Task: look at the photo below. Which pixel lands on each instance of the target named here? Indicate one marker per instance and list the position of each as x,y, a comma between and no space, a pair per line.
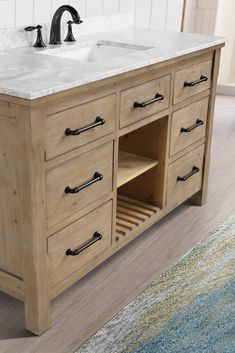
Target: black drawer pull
194,83
98,121
190,128
97,177
96,237
157,98
189,174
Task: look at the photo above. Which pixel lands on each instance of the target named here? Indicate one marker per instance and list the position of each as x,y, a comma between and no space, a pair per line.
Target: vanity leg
37,311
200,198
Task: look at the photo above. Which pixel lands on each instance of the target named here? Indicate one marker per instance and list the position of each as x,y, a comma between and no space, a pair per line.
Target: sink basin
94,52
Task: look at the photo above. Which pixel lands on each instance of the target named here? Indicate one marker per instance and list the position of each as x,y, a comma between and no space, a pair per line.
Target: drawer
144,100
188,125
185,177
78,182
193,80
79,243
77,126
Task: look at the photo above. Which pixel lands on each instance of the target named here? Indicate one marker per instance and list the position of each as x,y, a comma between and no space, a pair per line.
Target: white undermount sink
94,52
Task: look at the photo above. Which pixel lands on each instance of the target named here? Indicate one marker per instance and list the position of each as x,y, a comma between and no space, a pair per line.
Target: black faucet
55,36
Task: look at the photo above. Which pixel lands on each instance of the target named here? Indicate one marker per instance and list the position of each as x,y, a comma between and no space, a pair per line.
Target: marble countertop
26,74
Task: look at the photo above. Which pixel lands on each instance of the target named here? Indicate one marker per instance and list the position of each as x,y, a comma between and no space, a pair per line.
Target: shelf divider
131,165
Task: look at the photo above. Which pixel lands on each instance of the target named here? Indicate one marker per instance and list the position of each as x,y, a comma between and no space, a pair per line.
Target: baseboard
226,89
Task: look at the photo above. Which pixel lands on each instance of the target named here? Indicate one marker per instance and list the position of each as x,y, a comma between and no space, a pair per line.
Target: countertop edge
118,71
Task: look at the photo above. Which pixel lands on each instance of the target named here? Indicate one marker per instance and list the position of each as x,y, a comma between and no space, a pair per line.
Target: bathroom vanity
93,154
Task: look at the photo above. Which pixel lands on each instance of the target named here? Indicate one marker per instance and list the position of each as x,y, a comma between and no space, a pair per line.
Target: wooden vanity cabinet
85,171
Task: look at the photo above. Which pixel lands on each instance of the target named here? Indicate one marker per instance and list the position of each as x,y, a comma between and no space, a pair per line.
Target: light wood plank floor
87,306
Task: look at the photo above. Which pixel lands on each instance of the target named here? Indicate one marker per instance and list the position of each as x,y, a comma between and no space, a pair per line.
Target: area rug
190,309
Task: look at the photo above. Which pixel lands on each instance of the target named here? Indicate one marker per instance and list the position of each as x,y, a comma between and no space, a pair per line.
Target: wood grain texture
76,118
131,165
185,118
87,305
11,285
7,110
34,245
75,172
201,197
47,208
130,213
179,191
75,236
191,74
142,93
12,172
150,141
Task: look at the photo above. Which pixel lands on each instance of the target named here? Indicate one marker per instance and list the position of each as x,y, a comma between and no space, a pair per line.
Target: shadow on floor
12,318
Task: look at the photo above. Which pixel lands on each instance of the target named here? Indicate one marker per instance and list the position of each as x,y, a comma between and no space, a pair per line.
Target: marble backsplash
11,38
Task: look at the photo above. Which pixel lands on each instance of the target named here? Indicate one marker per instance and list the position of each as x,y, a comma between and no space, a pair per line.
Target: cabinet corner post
30,122
200,198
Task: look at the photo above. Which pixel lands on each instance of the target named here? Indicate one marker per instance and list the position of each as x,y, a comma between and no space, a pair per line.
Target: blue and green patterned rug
190,309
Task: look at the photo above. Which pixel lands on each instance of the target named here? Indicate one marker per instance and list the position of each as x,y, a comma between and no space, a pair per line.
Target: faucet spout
55,35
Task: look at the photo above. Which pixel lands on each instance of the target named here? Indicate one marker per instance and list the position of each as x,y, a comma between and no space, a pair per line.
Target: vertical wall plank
174,15
42,11
110,7
127,5
7,14
155,14
94,8
143,13
23,16
159,14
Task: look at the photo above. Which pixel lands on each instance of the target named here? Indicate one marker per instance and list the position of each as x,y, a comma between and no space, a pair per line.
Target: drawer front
78,182
185,177
193,80
144,100
79,243
77,126
188,125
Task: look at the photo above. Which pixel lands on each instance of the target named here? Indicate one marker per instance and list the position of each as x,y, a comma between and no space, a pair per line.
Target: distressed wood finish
11,285
179,191
201,197
186,118
142,93
39,221
34,245
122,277
11,180
131,165
75,118
75,236
191,74
76,172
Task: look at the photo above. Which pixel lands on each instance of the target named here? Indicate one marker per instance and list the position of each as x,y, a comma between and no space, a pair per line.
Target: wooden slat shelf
130,214
131,165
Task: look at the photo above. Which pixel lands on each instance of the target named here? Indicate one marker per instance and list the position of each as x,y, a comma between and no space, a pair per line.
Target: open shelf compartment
141,176
131,165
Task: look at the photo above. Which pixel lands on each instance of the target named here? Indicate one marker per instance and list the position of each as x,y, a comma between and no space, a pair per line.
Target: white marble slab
26,74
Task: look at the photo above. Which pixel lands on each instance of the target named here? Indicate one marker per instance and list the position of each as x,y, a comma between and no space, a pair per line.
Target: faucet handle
39,41
70,37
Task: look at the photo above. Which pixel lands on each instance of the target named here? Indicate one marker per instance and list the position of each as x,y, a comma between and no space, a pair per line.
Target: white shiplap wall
14,13
159,14
215,17
155,14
